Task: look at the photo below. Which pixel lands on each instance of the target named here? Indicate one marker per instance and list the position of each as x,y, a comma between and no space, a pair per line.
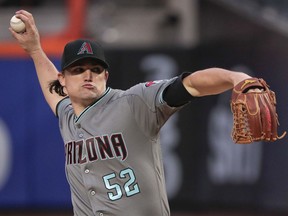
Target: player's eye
97,69
80,69
77,70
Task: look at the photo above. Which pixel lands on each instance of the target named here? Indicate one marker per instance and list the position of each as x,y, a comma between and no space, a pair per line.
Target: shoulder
62,105
150,87
149,93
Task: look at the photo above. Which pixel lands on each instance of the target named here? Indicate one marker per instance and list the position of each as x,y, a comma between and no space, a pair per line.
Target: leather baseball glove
253,106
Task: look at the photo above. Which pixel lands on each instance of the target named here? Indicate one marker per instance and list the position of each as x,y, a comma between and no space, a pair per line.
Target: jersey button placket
80,134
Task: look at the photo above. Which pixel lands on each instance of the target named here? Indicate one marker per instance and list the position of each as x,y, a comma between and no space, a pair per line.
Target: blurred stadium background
151,39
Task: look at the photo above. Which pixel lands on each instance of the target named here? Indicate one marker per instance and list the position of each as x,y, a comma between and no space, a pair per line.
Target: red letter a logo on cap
85,48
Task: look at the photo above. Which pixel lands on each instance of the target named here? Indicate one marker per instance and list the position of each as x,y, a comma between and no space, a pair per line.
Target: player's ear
106,75
61,79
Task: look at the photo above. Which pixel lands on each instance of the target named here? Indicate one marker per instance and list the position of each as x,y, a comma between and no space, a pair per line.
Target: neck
80,106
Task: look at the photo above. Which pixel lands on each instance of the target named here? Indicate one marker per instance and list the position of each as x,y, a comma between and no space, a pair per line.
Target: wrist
35,53
240,77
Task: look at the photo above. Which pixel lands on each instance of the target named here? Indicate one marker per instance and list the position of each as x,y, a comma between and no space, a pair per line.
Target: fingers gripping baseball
254,112
29,39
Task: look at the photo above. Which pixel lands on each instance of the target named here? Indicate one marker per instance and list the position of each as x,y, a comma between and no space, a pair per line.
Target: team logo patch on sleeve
150,83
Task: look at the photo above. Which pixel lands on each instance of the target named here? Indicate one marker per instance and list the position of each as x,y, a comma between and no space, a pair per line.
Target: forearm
46,71
212,81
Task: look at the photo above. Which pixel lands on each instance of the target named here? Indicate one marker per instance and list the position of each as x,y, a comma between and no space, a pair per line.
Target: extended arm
212,81
30,42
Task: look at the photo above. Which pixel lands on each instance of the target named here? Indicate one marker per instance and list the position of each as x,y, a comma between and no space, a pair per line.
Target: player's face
84,81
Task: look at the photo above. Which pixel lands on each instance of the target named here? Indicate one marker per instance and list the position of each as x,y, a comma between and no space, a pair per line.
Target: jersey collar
92,105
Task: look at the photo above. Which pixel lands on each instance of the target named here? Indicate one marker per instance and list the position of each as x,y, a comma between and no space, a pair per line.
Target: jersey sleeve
64,111
61,106
176,94
147,104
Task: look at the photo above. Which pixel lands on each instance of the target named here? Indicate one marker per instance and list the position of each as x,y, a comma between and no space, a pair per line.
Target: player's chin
90,95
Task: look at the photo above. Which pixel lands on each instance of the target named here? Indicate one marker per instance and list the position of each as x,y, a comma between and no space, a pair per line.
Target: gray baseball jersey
113,155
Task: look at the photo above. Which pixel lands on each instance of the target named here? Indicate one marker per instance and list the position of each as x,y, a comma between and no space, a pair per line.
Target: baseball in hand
17,24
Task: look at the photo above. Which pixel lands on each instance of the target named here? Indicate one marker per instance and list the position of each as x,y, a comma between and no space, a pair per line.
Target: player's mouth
88,86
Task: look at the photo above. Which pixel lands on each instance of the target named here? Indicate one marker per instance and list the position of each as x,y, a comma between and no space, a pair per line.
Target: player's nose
88,74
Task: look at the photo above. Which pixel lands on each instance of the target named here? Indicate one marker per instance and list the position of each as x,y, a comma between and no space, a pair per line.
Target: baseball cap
80,49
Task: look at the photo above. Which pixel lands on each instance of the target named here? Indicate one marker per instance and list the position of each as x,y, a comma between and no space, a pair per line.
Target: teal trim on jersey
161,100
92,105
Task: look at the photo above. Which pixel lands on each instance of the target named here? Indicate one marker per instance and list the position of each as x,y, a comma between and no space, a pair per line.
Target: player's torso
111,163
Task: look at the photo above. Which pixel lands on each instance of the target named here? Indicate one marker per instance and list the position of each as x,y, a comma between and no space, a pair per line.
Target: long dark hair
57,87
